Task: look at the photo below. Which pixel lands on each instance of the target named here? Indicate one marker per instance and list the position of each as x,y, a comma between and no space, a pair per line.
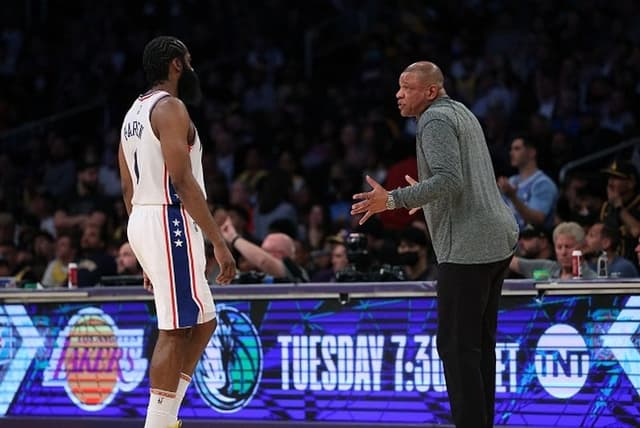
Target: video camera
360,267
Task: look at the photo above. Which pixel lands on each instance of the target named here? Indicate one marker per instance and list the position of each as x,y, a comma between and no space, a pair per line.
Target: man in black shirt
621,211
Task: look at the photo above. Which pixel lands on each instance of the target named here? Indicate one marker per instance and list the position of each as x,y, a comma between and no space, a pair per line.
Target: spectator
40,207
317,226
621,211
56,273
127,264
531,194
240,218
274,257
273,202
87,199
5,270
338,259
602,238
534,243
9,253
8,229
94,261
414,255
566,238
60,170
43,250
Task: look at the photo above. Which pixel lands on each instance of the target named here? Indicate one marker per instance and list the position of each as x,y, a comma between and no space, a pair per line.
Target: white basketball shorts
170,248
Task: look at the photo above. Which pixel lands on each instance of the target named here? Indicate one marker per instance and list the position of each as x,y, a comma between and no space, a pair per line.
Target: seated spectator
602,238
56,273
94,261
413,252
8,232
126,262
87,204
338,259
43,252
567,237
5,271
9,253
272,203
531,193
274,257
534,243
621,211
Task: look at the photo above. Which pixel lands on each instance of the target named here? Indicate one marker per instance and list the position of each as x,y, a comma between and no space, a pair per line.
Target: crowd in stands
289,134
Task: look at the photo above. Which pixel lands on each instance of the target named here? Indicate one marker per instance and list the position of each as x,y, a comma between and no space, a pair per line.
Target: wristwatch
391,203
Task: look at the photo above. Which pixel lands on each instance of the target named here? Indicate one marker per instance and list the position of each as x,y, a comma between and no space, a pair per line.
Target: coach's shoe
177,424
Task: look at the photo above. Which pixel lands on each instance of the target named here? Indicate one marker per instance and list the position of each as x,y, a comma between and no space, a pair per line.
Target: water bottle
603,265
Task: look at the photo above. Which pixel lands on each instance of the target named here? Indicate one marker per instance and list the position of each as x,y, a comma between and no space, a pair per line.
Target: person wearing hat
621,210
567,237
534,243
413,252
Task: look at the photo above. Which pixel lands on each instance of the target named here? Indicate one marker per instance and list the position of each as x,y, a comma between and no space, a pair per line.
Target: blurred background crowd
299,106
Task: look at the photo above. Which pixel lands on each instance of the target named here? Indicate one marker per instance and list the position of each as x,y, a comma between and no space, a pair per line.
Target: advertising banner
562,361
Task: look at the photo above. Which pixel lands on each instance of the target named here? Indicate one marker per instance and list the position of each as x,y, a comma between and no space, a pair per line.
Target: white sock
160,411
185,380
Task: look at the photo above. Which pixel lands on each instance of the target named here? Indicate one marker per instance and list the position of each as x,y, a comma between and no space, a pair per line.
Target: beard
189,90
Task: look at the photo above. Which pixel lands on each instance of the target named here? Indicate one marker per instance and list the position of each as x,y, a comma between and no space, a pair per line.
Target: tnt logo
94,359
562,361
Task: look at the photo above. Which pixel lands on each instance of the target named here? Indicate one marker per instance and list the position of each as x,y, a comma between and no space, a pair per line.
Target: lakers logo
230,369
94,360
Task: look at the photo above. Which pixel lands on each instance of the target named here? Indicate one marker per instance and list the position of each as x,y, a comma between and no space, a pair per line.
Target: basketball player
163,189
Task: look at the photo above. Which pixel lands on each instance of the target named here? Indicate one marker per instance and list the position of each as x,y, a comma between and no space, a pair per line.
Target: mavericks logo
93,359
231,367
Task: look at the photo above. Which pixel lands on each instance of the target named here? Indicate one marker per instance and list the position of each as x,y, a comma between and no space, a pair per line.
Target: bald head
279,245
428,72
421,84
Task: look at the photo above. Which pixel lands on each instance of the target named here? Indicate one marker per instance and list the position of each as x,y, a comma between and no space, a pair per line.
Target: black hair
527,141
157,55
613,234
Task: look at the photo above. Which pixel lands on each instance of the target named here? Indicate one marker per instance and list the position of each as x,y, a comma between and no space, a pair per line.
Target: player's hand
227,264
371,202
412,182
146,283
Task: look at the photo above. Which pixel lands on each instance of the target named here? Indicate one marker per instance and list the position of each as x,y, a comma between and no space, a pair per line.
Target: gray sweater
468,220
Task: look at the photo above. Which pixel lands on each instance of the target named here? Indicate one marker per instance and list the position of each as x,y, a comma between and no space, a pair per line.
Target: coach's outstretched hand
371,202
227,264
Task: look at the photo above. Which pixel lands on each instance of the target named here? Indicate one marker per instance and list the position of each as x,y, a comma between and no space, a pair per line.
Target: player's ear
177,64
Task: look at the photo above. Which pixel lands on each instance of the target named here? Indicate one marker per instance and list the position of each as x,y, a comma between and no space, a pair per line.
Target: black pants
468,300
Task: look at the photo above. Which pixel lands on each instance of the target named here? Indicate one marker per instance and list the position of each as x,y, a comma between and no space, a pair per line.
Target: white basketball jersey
151,182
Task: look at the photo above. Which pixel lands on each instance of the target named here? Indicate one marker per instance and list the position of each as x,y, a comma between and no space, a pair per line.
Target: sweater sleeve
440,149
